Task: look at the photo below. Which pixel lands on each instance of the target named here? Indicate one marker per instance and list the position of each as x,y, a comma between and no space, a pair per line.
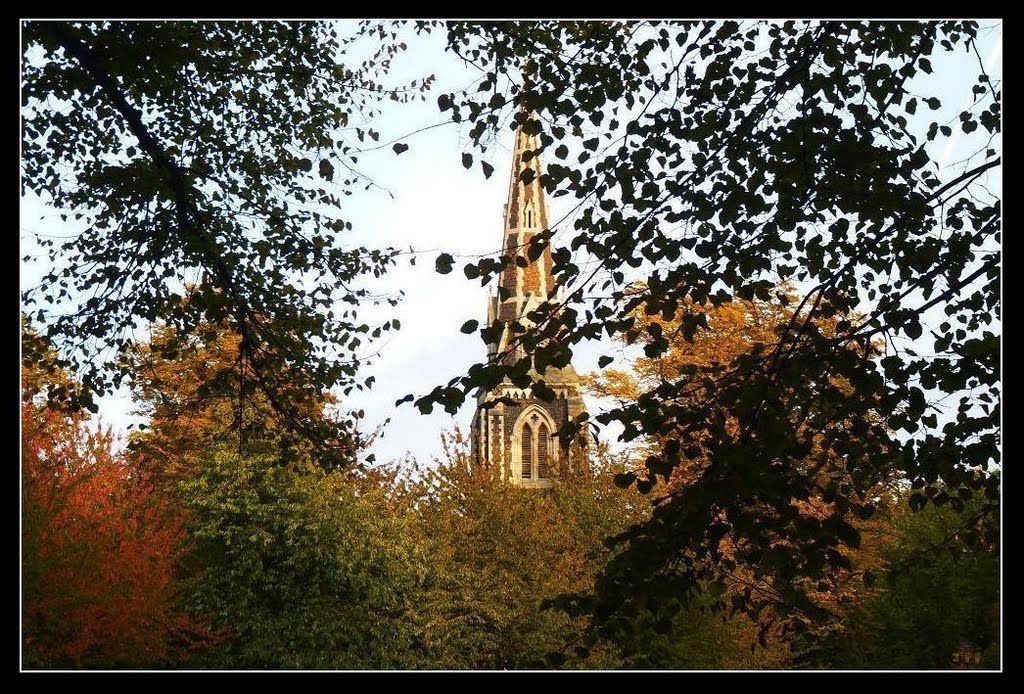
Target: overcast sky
440,206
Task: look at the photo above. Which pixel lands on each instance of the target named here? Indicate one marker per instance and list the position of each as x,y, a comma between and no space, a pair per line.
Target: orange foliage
735,329
99,550
187,416
191,389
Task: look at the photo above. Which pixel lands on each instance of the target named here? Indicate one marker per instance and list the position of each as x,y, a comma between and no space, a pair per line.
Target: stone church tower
514,437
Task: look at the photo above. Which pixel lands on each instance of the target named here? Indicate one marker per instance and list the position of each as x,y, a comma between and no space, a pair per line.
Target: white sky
440,206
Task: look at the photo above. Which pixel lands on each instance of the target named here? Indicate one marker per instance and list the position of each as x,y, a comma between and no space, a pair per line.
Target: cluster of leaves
303,572
287,565
100,551
714,159
197,394
501,555
210,153
731,331
498,552
290,562
945,592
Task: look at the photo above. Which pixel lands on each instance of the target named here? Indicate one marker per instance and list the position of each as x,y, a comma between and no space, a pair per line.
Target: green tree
498,552
504,557
299,564
710,160
212,153
296,564
301,570
944,591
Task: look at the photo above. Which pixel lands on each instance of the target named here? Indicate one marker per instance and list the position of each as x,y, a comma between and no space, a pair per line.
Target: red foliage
99,550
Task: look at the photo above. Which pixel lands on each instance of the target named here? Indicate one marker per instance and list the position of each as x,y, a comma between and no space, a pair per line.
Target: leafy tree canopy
197,393
731,330
214,153
302,571
499,552
946,592
710,160
99,549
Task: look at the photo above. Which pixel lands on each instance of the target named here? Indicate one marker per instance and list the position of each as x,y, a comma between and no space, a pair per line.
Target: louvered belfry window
542,451
527,463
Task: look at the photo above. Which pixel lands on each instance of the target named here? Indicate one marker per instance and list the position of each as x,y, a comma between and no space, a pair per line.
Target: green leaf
467,159
469,327
488,169
604,361
399,147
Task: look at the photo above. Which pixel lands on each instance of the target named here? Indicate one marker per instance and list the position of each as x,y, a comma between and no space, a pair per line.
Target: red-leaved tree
99,549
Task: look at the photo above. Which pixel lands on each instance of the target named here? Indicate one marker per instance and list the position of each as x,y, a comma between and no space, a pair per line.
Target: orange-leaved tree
99,550
713,341
202,392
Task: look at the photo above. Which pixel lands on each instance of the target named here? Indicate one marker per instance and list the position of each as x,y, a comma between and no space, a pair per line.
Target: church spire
526,215
513,431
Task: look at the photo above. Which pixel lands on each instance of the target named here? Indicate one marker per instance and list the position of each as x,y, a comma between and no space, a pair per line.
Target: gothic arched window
527,461
543,441
533,452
